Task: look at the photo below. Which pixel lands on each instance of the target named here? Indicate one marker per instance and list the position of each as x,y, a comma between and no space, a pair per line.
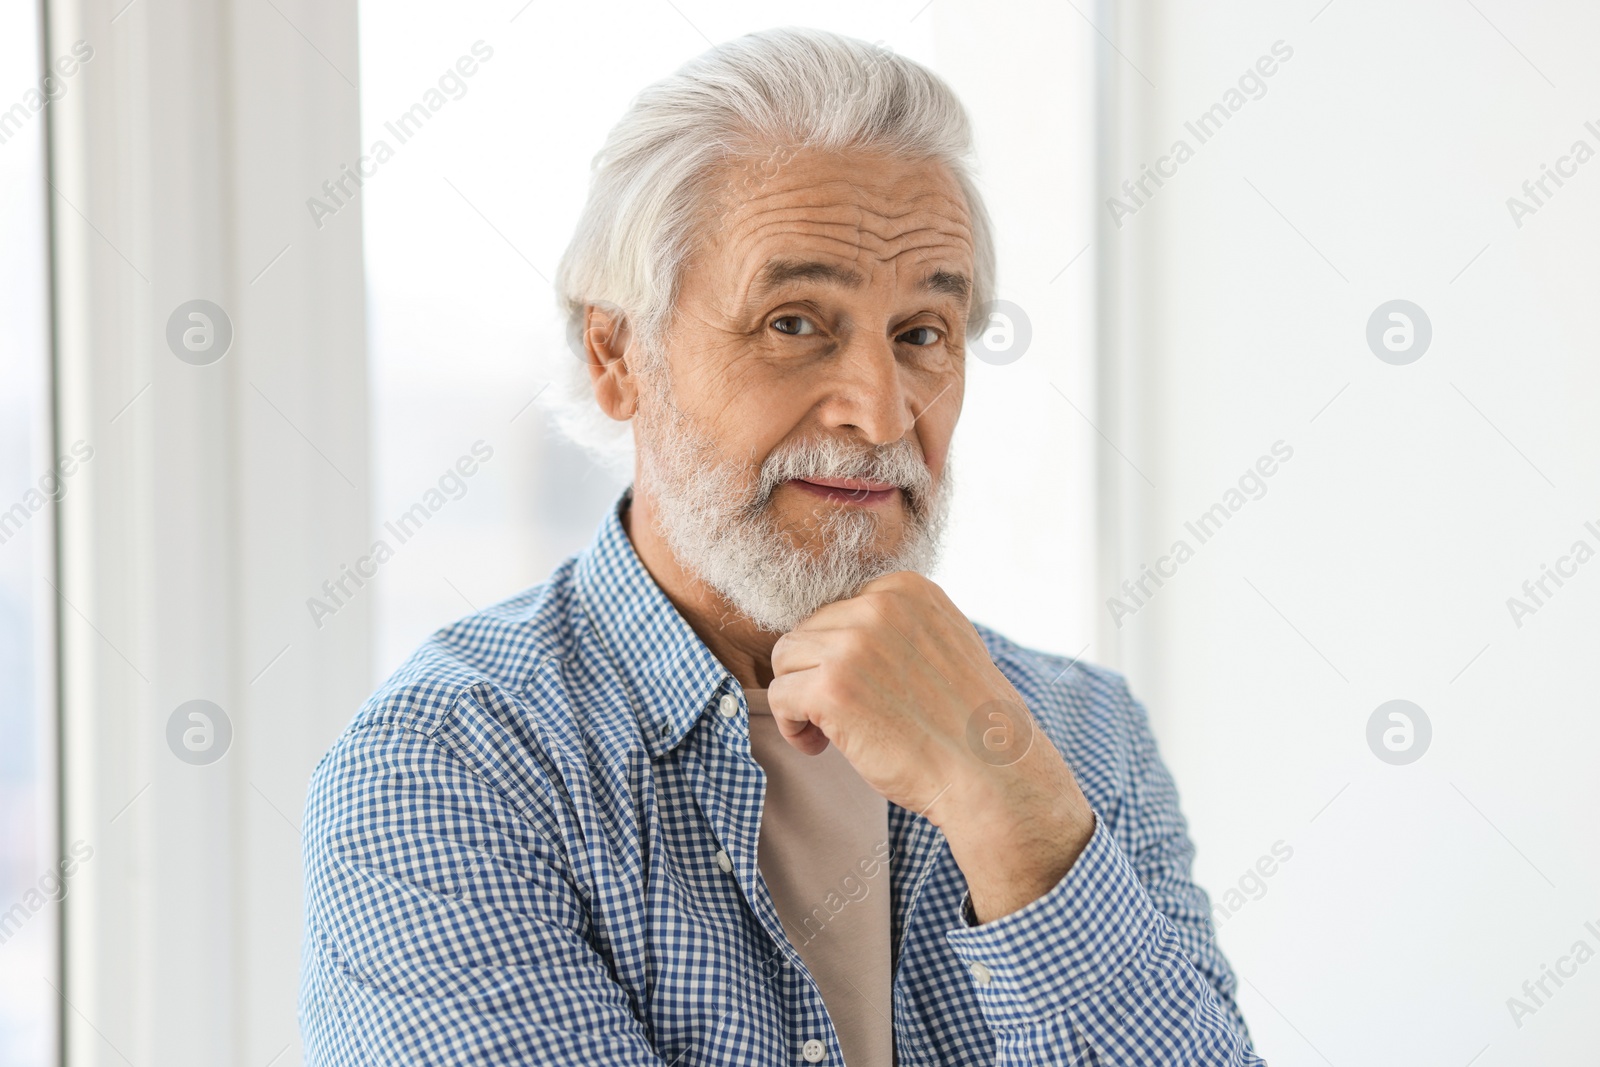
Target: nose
870,396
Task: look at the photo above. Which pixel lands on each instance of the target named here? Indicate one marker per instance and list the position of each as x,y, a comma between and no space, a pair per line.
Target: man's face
812,378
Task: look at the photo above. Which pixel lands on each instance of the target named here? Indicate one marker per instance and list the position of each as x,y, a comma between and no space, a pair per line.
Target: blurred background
1303,428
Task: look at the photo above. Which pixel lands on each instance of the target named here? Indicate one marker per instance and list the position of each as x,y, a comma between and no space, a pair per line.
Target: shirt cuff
1095,925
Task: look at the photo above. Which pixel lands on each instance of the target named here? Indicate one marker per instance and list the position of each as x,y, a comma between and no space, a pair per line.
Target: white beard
719,526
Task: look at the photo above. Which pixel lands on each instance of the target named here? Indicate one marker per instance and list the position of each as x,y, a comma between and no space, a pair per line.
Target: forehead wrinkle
798,186
858,208
854,232
846,242
883,226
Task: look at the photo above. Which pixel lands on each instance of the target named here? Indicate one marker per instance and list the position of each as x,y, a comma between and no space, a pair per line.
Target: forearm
1014,847
1093,973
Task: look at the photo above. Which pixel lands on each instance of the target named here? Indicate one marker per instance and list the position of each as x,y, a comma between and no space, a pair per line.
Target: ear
606,339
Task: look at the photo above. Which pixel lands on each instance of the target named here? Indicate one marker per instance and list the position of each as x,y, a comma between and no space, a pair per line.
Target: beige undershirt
823,853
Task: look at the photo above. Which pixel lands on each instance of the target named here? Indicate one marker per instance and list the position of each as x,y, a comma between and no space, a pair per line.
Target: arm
1117,962
441,927
1082,922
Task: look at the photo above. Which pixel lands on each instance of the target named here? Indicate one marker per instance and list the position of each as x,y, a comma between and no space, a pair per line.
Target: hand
900,681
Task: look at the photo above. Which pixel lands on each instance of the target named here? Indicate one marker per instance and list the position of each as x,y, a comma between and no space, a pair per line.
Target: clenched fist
900,681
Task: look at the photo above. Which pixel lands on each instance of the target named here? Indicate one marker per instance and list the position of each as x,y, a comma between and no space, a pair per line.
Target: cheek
723,377
759,422
936,428
758,409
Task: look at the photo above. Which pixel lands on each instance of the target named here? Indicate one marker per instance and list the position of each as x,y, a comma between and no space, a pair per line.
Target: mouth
862,491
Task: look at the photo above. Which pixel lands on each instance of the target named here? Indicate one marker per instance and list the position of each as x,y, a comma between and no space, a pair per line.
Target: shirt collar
671,676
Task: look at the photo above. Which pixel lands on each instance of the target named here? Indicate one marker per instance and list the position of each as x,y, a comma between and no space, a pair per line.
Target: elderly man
738,784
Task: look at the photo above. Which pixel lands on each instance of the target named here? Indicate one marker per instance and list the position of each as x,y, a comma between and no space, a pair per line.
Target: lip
848,490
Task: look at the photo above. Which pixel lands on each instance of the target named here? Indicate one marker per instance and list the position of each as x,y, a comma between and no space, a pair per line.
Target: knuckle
836,688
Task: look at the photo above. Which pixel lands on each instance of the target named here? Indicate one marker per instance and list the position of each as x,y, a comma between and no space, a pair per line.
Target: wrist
1028,804
1011,857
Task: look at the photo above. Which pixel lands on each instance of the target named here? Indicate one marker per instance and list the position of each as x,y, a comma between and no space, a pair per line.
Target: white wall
1378,564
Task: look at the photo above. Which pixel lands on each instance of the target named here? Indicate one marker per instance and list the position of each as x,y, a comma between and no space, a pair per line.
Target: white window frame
181,157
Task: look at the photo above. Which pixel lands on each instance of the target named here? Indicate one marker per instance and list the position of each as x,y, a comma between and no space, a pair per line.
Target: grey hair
767,93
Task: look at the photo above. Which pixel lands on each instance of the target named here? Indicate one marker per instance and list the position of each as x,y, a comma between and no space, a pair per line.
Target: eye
920,336
794,325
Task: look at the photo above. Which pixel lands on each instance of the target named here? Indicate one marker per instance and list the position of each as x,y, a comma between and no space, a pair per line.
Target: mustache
898,463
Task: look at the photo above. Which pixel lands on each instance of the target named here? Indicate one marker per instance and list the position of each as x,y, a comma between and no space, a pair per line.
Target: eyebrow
780,272
949,282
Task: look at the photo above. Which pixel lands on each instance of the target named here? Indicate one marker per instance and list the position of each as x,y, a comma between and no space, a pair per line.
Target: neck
736,642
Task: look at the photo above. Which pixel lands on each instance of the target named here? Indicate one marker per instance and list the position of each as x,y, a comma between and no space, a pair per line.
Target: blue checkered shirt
515,854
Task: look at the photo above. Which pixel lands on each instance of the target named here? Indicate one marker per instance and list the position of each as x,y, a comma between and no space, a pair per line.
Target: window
30,880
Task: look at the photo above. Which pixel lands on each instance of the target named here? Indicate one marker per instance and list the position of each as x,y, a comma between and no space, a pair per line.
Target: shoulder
501,648
1064,684
1087,710
477,706
479,663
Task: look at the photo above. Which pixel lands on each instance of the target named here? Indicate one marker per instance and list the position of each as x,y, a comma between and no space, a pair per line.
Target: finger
941,600
786,697
841,616
832,614
903,582
789,696
799,650
810,739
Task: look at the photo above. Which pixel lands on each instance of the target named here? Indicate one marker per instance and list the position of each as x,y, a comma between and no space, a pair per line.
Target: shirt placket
730,787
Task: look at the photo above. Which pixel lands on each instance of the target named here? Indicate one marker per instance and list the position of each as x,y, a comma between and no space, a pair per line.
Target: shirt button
982,974
728,705
724,862
813,1051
